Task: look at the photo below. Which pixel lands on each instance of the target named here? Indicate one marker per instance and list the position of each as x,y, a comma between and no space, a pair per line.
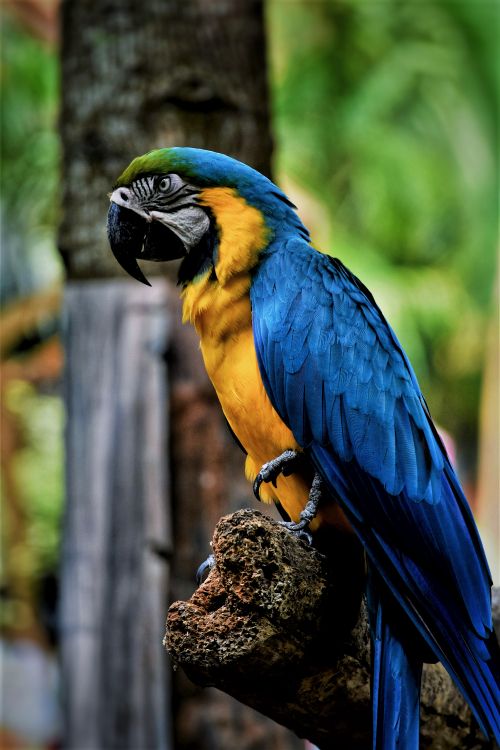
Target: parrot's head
158,210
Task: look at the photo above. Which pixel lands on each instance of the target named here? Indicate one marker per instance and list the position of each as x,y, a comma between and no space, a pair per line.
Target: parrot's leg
285,464
309,512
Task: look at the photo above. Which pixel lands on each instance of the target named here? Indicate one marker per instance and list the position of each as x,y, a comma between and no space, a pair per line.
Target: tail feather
396,677
430,559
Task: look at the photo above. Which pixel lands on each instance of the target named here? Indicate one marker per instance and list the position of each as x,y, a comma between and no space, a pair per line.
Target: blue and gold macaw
320,394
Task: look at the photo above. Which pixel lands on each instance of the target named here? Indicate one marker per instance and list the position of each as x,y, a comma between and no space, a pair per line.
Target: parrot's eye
164,184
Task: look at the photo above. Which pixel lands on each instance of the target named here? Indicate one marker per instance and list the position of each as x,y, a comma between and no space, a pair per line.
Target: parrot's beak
131,237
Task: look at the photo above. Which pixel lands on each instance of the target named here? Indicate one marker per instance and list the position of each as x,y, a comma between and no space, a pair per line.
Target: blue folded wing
338,377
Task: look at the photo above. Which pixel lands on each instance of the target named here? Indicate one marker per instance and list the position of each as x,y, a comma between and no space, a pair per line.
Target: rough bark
268,627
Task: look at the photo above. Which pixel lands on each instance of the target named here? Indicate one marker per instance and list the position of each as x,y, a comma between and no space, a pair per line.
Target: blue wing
338,377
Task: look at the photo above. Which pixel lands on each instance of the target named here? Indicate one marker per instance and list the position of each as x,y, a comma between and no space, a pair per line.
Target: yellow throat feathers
219,309
221,306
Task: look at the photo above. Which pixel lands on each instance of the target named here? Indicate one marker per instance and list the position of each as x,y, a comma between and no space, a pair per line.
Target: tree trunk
270,626
135,76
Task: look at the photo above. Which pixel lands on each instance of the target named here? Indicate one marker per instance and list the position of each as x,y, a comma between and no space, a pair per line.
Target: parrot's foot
204,569
309,512
285,464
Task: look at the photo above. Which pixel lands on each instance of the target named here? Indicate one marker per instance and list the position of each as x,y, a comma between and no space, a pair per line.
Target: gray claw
309,512
206,565
298,530
257,483
271,470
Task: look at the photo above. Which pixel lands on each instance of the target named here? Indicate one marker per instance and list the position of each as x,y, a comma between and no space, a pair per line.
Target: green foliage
30,153
38,471
28,211
386,113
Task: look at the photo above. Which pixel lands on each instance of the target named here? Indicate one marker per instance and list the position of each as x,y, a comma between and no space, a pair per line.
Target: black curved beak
126,231
132,237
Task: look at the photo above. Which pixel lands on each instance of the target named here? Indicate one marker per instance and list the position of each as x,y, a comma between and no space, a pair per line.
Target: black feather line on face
201,257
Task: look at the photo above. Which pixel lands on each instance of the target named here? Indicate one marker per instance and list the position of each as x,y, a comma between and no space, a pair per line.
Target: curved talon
306,537
298,530
270,471
205,566
256,485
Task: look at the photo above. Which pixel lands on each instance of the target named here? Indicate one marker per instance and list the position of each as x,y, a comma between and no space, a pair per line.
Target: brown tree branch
269,627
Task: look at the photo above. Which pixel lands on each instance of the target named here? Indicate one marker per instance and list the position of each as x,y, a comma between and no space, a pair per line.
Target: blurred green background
386,132
32,413
385,113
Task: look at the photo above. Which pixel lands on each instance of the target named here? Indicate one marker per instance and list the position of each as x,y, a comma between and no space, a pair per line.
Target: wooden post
117,540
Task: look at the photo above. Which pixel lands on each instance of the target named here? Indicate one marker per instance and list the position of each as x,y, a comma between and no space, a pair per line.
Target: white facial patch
189,223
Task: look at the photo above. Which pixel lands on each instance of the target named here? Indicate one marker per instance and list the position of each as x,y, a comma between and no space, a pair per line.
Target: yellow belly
234,372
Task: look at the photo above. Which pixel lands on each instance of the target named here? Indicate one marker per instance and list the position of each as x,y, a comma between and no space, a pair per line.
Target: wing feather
338,377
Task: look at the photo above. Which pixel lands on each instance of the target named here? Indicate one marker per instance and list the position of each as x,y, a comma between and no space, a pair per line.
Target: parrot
319,392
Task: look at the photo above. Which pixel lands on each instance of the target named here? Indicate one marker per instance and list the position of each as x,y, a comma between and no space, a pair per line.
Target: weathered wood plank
117,529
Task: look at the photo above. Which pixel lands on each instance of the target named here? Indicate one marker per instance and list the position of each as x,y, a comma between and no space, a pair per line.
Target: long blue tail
428,559
396,676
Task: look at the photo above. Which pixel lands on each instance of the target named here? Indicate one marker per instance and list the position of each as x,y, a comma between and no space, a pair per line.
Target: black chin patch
203,256
160,243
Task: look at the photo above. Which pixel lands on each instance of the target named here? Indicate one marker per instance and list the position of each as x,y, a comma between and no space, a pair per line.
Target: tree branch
269,627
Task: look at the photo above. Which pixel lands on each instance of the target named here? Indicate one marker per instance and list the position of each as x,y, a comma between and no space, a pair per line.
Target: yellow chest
233,369
219,308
